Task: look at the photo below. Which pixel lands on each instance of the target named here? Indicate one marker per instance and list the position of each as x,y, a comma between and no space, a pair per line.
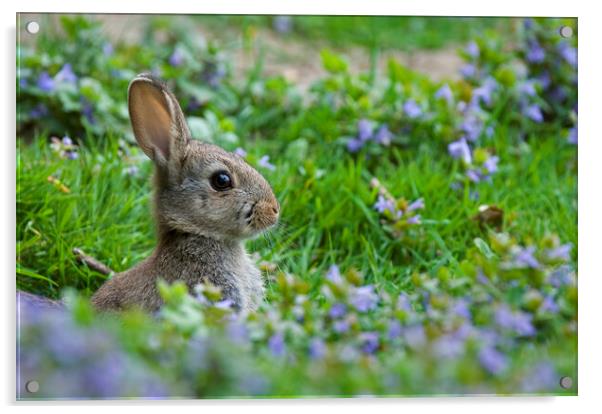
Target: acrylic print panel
342,206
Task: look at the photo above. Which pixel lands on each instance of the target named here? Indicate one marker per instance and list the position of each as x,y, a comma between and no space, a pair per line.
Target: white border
590,209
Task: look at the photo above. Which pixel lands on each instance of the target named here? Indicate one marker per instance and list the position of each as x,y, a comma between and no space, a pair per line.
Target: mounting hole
32,27
566,31
32,386
566,382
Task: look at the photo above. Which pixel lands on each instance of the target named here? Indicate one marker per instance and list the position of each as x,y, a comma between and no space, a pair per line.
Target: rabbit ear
157,119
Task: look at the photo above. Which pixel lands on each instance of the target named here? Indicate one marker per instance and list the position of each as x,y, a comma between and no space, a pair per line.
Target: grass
107,212
373,32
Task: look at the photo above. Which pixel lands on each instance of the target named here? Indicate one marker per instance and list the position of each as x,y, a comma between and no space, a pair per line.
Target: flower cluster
64,147
398,215
366,133
523,295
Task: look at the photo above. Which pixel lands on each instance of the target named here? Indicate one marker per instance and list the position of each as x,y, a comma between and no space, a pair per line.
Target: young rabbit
207,201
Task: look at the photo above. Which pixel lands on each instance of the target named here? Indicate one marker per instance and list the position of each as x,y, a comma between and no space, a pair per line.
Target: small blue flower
276,344
317,348
573,136
448,346
364,130
414,336
383,204
484,93
493,360
445,92
240,152
369,342
412,109
549,305
416,205
334,274
472,49
394,329
528,88
383,136
354,145
340,326
282,24
337,310
66,74
460,149
472,125
533,112
560,253
468,71
568,53
414,219
264,162
176,58
490,164
364,298
45,82
107,49
39,111
403,302
535,53
524,257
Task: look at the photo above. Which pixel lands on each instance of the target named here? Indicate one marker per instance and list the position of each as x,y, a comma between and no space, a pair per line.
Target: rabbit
207,201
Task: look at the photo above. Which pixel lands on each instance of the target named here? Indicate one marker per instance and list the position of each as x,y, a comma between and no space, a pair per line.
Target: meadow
428,234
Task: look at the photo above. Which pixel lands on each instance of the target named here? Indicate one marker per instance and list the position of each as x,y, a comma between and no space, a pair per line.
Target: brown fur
200,230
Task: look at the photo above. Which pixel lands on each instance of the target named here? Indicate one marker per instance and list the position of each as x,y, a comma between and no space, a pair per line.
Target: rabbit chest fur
192,259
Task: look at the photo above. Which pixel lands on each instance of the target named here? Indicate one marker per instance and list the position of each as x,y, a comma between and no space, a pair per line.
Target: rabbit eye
221,181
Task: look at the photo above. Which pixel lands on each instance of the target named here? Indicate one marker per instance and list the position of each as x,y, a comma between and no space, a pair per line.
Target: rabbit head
200,188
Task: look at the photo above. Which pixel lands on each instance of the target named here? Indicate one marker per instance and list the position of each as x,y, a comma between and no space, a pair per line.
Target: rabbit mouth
260,217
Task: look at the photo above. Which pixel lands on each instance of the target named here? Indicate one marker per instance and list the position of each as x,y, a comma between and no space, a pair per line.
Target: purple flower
533,112
240,152
561,277
176,58
448,346
523,325
364,298
213,73
39,111
445,92
334,274
107,49
224,304
543,377
354,145
418,204
71,155
369,342
548,305
414,336
461,308
528,88
473,175
364,130
412,109
276,344
544,79
468,71
337,310
524,257
472,126
45,82
132,170
340,326
573,135
383,135
394,329
568,53
67,141
460,149
66,74
264,162
484,92
403,302
317,348
560,253
414,219
282,24
472,49
535,53
88,110
490,164
383,204
492,360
